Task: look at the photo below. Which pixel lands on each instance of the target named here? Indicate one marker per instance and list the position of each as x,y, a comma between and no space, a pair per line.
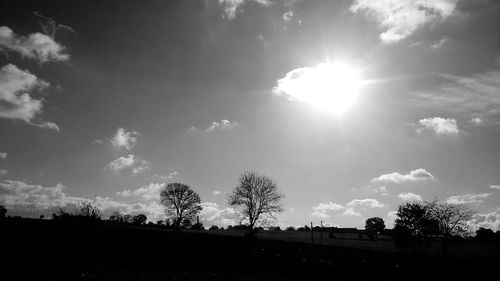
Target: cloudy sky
352,106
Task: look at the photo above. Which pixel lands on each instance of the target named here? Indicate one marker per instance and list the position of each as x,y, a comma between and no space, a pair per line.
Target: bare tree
258,196
180,201
451,220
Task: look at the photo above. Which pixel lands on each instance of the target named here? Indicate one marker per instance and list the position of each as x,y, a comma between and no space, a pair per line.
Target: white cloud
48,126
322,209
440,43
148,192
3,155
495,186
351,212
124,139
440,126
400,18
15,100
288,15
468,198
212,214
372,203
35,45
392,215
415,175
381,189
489,220
222,125
408,197
231,7
130,161
3,172
215,192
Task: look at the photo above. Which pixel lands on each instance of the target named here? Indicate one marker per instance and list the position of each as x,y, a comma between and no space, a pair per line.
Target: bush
214,227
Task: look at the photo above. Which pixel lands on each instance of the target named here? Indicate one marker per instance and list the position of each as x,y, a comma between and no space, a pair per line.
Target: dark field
49,250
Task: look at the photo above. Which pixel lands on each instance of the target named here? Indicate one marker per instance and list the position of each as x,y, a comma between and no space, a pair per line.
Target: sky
353,106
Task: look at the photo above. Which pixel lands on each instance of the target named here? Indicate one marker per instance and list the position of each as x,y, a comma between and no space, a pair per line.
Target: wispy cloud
495,186
413,176
468,198
400,18
3,172
439,125
3,155
35,45
222,125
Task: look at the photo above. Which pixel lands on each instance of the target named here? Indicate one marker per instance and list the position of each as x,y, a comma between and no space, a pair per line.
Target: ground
50,250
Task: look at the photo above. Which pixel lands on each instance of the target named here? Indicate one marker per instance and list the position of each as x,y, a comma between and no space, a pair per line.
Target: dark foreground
48,250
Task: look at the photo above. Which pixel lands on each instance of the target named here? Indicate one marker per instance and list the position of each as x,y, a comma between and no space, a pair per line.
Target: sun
332,87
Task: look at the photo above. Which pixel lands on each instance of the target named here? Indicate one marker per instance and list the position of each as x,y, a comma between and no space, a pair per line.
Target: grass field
47,250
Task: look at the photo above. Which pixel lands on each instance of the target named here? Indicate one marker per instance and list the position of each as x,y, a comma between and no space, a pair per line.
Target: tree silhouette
413,225
3,211
139,219
374,226
258,196
450,220
180,202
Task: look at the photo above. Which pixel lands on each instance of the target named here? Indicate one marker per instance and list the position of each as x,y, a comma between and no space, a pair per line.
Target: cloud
212,214
130,161
440,126
15,100
476,121
468,198
408,197
3,155
48,126
392,215
495,186
3,172
440,43
351,212
222,125
215,192
415,175
489,220
400,18
50,26
371,203
148,192
475,95
167,177
381,189
231,7
322,209
36,45
25,198
124,139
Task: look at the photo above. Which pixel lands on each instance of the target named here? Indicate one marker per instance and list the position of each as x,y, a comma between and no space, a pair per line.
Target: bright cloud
124,139
468,198
371,203
495,186
440,126
489,220
35,45
351,212
409,197
148,192
32,196
212,214
215,192
130,161
3,155
322,209
15,100
400,18
415,175
231,7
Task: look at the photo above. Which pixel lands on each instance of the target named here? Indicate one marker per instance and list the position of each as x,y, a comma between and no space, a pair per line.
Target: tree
139,219
258,196
450,220
180,202
3,211
88,210
374,226
412,226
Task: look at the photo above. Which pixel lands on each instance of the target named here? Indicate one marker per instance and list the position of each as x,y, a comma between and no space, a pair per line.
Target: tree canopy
180,202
